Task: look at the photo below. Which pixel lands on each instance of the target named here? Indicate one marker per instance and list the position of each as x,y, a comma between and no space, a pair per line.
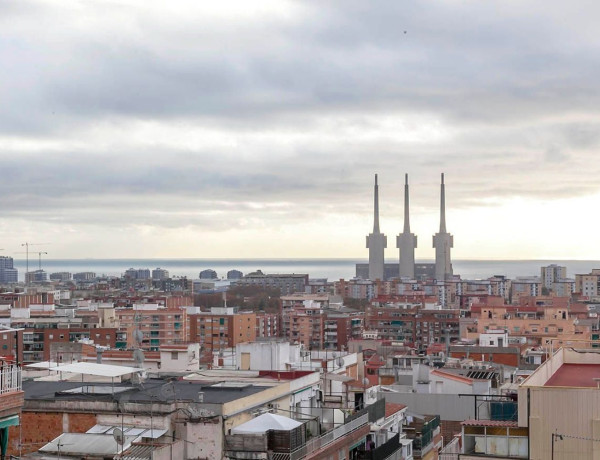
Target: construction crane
26,244
40,254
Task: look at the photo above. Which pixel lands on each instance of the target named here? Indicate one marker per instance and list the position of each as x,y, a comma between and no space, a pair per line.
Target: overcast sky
141,128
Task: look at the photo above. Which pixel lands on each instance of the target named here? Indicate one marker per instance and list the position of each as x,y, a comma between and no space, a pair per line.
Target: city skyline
254,131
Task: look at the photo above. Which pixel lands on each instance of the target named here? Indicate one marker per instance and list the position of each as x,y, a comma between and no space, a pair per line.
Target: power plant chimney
443,242
376,242
406,241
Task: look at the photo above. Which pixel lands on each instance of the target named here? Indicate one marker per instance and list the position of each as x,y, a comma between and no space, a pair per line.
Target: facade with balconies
11,403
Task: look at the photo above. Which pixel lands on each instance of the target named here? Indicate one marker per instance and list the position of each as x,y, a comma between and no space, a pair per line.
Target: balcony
316,444
393,449
10,379
505,439
425,433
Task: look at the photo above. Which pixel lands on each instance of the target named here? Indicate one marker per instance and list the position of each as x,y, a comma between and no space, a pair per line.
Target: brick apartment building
222,327
159,325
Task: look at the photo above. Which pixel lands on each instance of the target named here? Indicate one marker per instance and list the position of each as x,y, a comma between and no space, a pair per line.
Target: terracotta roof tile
391,408
490,423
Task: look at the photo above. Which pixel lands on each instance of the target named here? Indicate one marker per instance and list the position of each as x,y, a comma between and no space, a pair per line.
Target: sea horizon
330,268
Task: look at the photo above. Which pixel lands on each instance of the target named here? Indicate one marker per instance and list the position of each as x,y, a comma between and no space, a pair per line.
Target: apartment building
11,402
8,273
588,285
268,325
222,327
158,325
417,326
559,404
340,326
285,283
24,300
525,287
305,324
552,273
537,323
61,276
68,418
356,289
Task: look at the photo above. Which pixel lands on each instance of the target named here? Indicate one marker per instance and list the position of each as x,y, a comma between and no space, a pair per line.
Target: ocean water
332,269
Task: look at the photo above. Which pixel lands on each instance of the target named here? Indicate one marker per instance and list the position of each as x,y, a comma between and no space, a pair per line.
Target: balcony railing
10,379
319,443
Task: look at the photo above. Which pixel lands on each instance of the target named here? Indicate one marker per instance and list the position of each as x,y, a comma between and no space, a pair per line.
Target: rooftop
392,408
575,375
157,390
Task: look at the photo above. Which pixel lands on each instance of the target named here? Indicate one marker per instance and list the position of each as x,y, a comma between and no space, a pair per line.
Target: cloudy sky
142,128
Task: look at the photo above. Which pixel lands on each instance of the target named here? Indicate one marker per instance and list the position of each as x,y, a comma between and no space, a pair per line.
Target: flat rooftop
154,390
575,375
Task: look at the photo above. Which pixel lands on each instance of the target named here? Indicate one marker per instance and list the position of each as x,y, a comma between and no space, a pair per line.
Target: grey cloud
498,78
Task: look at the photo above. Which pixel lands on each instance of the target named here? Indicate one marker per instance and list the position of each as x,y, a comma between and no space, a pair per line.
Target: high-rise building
588,285
84,276
286,283
208,274
8,273
60,276
160,274
376,242
138,274
551,274
406,241
36,276
443,242
234,275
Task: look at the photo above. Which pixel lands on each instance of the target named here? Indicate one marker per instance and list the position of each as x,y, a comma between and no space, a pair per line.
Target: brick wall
39,428
449,428
11,403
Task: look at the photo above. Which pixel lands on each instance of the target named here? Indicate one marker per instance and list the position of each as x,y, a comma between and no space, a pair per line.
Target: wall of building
205,438
39,428
448,407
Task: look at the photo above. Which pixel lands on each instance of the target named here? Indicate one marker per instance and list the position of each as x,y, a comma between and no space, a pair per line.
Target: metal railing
10,379
451,451
318,443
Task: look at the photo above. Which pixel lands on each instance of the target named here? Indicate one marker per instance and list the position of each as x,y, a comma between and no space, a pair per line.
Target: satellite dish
167,391
119,436
138,357
365,381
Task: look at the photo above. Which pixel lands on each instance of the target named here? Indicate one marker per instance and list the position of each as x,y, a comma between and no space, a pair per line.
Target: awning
43,365
104,370
13,420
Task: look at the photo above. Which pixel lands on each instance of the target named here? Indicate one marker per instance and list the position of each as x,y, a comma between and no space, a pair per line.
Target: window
174,355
